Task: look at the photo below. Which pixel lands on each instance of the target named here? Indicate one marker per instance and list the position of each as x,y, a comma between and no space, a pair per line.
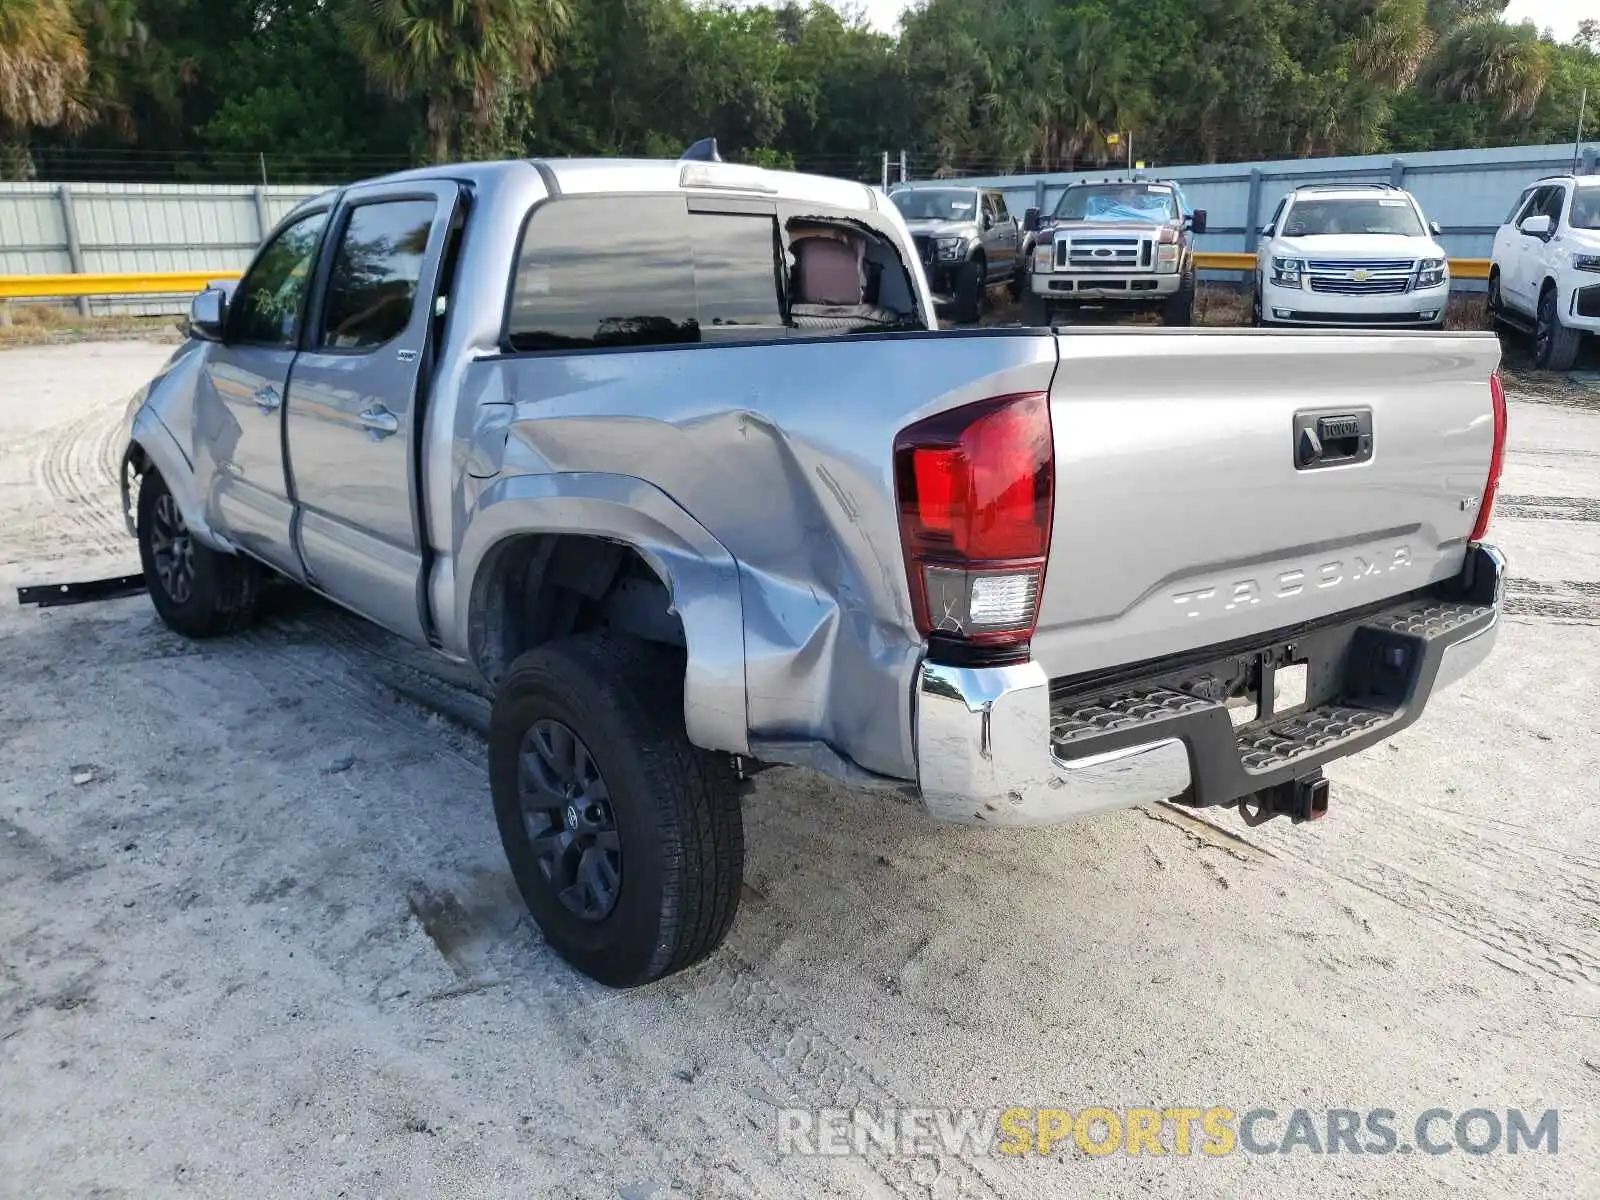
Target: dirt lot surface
257,937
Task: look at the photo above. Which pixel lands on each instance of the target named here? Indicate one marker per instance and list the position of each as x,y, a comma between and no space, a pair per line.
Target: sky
1561,16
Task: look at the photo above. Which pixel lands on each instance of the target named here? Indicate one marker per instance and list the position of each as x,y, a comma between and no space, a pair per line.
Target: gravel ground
257,937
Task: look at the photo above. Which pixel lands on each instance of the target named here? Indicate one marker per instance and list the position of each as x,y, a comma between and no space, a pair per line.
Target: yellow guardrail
163,283
173,283
1460,268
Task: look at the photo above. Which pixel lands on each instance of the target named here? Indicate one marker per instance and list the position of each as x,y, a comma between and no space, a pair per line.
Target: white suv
1545,275
1350,254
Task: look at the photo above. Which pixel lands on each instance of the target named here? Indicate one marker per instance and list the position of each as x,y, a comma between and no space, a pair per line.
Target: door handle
267,400
379,421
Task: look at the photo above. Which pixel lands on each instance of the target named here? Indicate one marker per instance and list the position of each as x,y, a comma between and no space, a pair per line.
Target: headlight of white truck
951,248
1431,272
1044,256
1286,272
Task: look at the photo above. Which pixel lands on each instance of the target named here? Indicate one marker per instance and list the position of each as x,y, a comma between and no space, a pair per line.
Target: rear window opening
619,272
846,279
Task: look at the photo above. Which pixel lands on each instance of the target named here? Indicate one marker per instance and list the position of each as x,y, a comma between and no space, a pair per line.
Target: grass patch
43,324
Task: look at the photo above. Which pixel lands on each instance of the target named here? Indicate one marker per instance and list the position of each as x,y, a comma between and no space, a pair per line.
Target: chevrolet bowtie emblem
1359,276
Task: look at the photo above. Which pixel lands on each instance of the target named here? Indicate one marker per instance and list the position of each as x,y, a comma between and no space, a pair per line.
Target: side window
1277,215
735,271
267,306
1539,203
1554,205
1519,209
1000,213
604,271
373,285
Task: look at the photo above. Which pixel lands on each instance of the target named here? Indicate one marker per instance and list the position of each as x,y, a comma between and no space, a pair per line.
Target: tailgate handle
1332,438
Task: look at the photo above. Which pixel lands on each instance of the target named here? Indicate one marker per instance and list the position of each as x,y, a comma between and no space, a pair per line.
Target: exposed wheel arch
534,588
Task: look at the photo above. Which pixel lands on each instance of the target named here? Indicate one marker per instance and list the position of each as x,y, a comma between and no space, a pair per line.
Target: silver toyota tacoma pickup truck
675,456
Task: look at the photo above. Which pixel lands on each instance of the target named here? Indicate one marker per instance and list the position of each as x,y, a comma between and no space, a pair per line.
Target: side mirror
1197,221
1433,228
208,312
1030,220
1537,225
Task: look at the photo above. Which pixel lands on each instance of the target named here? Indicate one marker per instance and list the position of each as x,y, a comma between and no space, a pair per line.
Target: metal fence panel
50,228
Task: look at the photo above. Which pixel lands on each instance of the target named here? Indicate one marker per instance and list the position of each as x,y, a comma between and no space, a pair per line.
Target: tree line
327,90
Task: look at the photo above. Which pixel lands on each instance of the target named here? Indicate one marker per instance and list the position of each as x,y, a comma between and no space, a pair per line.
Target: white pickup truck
675,456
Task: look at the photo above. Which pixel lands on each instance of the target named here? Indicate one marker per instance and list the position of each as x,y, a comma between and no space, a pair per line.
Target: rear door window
604,271
1000,213
736,273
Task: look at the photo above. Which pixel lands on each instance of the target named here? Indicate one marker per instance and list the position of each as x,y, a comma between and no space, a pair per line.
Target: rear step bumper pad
994,746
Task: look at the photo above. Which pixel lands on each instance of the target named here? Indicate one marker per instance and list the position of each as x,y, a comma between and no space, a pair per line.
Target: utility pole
262,155
886,170
1130,152
1577,142
905,175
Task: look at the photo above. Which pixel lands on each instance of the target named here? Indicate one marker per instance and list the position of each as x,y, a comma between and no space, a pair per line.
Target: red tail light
976,487
1497,457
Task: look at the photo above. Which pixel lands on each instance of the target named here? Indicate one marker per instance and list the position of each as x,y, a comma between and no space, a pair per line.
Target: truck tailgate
1183,518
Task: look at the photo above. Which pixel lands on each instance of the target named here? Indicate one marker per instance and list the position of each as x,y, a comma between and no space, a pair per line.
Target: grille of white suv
1362,277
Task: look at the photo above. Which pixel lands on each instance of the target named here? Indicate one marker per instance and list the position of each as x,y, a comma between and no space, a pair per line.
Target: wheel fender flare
149,436
700,575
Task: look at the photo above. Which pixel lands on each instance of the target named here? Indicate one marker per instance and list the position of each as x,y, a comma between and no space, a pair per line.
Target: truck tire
1555,347
972,277
1018,286
1035,312
197,591
625,840
1491,299
1178,308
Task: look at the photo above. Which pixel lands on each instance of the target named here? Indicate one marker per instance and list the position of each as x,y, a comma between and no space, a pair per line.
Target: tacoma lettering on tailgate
1286,585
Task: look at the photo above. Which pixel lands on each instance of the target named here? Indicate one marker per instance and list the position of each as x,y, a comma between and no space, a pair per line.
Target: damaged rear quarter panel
783,452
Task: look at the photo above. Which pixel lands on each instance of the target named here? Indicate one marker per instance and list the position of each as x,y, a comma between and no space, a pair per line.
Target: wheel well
534,588
1548,286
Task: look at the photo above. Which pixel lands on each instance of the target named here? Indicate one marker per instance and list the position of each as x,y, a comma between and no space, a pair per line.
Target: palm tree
43,70
462,58
1392,41
1505,66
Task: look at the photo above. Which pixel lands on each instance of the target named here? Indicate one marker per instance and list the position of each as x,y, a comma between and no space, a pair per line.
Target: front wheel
625,840
1178,308
1555,347
197,591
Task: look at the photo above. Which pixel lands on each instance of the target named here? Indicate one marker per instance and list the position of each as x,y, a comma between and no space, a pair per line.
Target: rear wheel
1555,347
972,277
1018,286
1035,312
1491,299
625,840
197,591
1257,318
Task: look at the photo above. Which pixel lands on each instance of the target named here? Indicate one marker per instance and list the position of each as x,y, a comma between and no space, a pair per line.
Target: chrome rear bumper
989,740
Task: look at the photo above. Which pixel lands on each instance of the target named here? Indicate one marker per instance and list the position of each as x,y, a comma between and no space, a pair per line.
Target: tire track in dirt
1548,508
1567,600
70,467
1518,938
